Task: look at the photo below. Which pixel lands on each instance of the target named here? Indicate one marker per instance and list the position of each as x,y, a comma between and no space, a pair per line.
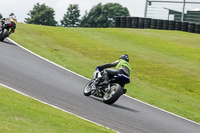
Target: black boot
105,77
124,91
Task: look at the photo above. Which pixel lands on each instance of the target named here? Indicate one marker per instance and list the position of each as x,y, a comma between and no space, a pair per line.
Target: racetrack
49,83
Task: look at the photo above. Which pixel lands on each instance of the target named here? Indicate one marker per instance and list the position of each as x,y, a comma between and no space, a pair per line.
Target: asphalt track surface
49,83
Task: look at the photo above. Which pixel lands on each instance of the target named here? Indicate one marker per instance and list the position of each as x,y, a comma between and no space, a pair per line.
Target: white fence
178,10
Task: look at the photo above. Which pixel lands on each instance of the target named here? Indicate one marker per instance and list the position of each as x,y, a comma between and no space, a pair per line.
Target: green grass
21,114
166,64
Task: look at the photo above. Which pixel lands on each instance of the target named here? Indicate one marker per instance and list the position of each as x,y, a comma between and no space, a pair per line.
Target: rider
11,19
122,66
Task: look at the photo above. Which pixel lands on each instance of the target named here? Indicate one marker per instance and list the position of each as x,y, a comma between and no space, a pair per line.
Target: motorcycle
110,92
6,25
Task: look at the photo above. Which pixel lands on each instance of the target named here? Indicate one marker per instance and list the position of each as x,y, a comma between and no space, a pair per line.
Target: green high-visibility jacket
123,63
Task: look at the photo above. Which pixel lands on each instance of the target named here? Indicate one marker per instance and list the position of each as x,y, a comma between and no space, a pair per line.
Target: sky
21,7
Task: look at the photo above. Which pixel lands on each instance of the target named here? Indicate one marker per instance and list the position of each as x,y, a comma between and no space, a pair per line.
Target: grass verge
166,64
21,114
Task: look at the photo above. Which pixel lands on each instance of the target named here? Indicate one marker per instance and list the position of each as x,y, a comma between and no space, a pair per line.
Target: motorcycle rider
11,19
122,66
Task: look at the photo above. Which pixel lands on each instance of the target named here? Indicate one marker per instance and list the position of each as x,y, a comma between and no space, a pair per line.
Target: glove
100,68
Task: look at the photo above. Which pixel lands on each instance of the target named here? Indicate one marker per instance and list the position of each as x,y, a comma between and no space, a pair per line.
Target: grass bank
21,114
166,64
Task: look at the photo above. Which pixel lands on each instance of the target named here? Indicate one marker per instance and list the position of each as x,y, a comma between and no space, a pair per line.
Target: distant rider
10,20
122,66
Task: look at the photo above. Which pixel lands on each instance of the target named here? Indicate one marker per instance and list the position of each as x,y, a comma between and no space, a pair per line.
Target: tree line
99,16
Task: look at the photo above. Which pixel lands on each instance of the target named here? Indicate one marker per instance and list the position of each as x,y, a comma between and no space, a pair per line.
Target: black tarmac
47,82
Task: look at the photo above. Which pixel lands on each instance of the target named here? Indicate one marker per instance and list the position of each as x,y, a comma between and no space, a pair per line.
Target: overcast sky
21,7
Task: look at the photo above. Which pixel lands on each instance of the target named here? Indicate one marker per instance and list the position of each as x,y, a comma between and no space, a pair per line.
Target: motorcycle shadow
8,42
125,108
96,98
117,105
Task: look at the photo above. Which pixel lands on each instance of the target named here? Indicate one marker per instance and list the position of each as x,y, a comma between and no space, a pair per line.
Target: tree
91,19
103,15
110,11
71,18
84,21
41,14
1,16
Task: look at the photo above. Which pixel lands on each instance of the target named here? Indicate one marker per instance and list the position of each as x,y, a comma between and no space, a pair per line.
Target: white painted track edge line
163,110
46,102
89,79
54,106
46,59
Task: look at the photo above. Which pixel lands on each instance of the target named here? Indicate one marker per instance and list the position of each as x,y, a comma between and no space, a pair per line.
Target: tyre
191,27
165,24
171,25
141,23
135,21
147,23
184,26
3,34
159,24
197,28
153,23
117,22
128,22
178,25
87,89
113,95
123,22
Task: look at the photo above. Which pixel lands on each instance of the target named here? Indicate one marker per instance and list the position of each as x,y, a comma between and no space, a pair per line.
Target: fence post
182,16
145,10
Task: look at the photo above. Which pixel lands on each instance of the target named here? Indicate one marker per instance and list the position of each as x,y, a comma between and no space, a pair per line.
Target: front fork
97,90
2,26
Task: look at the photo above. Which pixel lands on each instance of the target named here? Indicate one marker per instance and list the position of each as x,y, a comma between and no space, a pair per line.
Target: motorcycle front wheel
113,94
3,34
88,88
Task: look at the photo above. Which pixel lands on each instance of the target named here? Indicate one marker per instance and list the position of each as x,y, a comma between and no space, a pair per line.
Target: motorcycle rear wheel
113,95
87,90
